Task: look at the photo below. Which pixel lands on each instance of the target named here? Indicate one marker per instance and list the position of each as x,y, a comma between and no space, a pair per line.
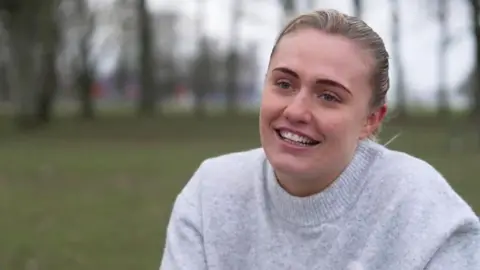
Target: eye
283,84
329,97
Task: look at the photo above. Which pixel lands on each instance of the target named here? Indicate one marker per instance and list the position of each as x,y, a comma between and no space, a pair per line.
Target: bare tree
442,16
289,8
148,93
201,70
203,76
397,56
127,25
475,17
85,73
22,25
232,62
48,72
4,87
358,8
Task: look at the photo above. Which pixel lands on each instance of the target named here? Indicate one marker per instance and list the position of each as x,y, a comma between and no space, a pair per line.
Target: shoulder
415,189
412,174
226,174
403,165
235,160
237,164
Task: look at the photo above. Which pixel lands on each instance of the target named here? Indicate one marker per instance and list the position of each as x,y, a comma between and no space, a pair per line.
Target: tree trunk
85,77
48,89
23,49
4,87
202,77
148,94
199,84
87,111
85,84
475,7
232,62
397,56
289,8
49,85
443,105
358,8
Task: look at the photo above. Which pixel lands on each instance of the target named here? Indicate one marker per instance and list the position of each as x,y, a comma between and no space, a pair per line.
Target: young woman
321,193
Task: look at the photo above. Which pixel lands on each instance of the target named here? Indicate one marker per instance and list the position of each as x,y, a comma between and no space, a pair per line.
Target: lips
296,138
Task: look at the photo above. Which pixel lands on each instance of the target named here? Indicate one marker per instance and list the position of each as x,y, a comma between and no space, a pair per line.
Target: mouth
296,139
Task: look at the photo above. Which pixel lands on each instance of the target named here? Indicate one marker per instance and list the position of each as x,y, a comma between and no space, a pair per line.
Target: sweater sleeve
184,240
461,250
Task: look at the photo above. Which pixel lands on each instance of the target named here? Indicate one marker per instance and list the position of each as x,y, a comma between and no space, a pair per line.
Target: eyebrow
318,81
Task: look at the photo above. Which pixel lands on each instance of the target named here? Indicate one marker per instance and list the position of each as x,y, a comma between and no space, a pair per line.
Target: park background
108,106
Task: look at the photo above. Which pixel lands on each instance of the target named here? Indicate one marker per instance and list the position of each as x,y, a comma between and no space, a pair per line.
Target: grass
98,195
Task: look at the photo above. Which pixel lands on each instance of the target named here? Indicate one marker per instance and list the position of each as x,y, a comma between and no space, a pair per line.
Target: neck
328,199
304,186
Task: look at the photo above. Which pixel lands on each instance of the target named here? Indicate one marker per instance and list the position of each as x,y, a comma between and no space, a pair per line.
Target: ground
98,195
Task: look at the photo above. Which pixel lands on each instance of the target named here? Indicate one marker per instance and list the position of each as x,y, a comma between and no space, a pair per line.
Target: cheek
340,124
266,113
270,105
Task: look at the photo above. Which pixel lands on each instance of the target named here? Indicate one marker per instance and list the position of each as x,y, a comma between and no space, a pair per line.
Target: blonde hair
334,22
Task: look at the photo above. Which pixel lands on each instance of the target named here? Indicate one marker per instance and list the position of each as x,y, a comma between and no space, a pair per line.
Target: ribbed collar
331,202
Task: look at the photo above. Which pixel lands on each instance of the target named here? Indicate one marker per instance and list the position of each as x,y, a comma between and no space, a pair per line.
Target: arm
461,251
184,241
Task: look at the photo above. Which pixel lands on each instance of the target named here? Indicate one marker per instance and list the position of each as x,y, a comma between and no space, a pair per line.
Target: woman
321,193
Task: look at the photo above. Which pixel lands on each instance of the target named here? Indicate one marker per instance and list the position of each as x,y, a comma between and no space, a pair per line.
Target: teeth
295,137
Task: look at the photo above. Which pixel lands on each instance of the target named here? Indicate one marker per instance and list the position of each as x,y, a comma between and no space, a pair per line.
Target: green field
98,195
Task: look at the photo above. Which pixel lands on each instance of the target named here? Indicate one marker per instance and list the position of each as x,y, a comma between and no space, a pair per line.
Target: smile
295,139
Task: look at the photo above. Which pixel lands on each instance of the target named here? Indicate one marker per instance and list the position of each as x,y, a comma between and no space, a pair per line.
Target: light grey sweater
387,210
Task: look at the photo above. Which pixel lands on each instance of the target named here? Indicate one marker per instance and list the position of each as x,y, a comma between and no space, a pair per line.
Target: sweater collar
332,202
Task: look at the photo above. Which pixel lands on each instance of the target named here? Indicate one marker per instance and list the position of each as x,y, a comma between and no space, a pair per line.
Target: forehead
313,53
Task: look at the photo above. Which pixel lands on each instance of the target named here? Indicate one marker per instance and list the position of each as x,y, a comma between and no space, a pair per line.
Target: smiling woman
321,193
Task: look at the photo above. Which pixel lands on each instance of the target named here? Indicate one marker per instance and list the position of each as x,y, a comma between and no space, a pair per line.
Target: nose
298,111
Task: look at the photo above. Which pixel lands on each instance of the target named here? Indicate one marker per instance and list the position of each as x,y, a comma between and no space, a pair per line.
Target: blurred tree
401,108
475,18
232,88
4,87
26,39
121,76
85,72
49,36
445,39
167,76
127,26
148,91
12,6
165,51
202,76
288,6
232,61
289,9
358,8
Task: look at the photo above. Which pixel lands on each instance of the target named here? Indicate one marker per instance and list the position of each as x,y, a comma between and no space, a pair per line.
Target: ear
374,121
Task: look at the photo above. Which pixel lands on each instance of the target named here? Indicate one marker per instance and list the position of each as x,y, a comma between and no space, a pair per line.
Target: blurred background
108,106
